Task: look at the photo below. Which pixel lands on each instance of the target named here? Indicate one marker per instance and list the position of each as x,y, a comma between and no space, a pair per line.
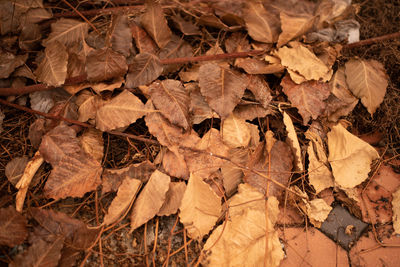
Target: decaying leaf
67,32
125,196
294,25
186,27
232,174
53,68
174,164
242,240
256,66
13,229
172,99
105,64
199,108
92,143
221,87
300,60
367,80
293,142
150,200
396,211
173,199
142,40
317,211
15,168
349,156
88,104
9,62
200,208
261,24
154,22
121,111
307,97
177,47
120,35
144,69
235,132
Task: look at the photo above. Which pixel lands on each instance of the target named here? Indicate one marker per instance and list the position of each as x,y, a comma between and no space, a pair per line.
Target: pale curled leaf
67,31
368,81
293,142
121,111
200,208
241,241
125,195
154,22
172,99
104,64
235,132
173,199
144,69
349,156
150,200
317,211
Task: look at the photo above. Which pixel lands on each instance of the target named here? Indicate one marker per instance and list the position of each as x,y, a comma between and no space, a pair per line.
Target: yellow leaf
349,156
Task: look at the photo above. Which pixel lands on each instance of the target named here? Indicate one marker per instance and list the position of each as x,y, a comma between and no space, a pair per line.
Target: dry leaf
9,62
241,240
221,87
67,32
172,99
88,104
235,132
125,196
105,64
232,174
174,164
53,68
15,168
144,69
177,47
200,208
317,211
294,25
262,25
367,80
307,97
256,66
35,15
328,10
186,27
120,35
121,111
173,199
150,200
396,211
92,143
293,142
301,60
142,40
237,42
199,109
13,229
349,156
154,22
251,111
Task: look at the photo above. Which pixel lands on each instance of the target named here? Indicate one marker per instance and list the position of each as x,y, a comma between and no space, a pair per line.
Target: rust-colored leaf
104,64
172,99
307,97
144,69
142,40
67,32
9,62
177,47
13,229
120,35
174,164
154,22
221,87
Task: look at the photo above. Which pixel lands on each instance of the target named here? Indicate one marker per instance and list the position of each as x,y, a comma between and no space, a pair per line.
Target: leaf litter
223,146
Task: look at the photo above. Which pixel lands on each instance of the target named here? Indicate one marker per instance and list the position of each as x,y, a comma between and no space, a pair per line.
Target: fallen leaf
13,229
67,32
144,69
221,87
256,66
142,40
9,62
92,143
232,174
237,42
294,25
105,64
125,196
200,208
35,15
317,211
172,99
367,80
120,35
173,199
293,142
251,111
261,25
349,156
328,10
199,108
246,233
186,27
121,111
300,59
177,47
174,164
53,68
307,97
88,104
150,200
15,168
235,132
154,22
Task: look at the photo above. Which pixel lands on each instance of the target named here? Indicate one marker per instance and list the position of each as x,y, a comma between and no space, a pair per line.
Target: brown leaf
186,27
112,178
150,200
281,164
154,22
125,196
200,208
307,97
172,99
294,25
120,35
41,253
293,142
221,87
177,47
104,64
173,199
251,111
88,104
92,143
142,40
231,173
35,15
13,229
237,42
367,80
67,32
144,69
199,109
30,37
121,111
260,89
174,164
15,168
261,25
235,132
256,66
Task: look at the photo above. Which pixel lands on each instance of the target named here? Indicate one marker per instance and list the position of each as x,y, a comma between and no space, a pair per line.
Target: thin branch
373,40
81,15
103,11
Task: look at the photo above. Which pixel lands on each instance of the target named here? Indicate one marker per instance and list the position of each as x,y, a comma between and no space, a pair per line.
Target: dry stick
373,40
81,15
103,11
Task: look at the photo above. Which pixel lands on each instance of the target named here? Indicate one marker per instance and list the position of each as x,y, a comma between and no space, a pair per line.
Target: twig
81,15
103,11
373,40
